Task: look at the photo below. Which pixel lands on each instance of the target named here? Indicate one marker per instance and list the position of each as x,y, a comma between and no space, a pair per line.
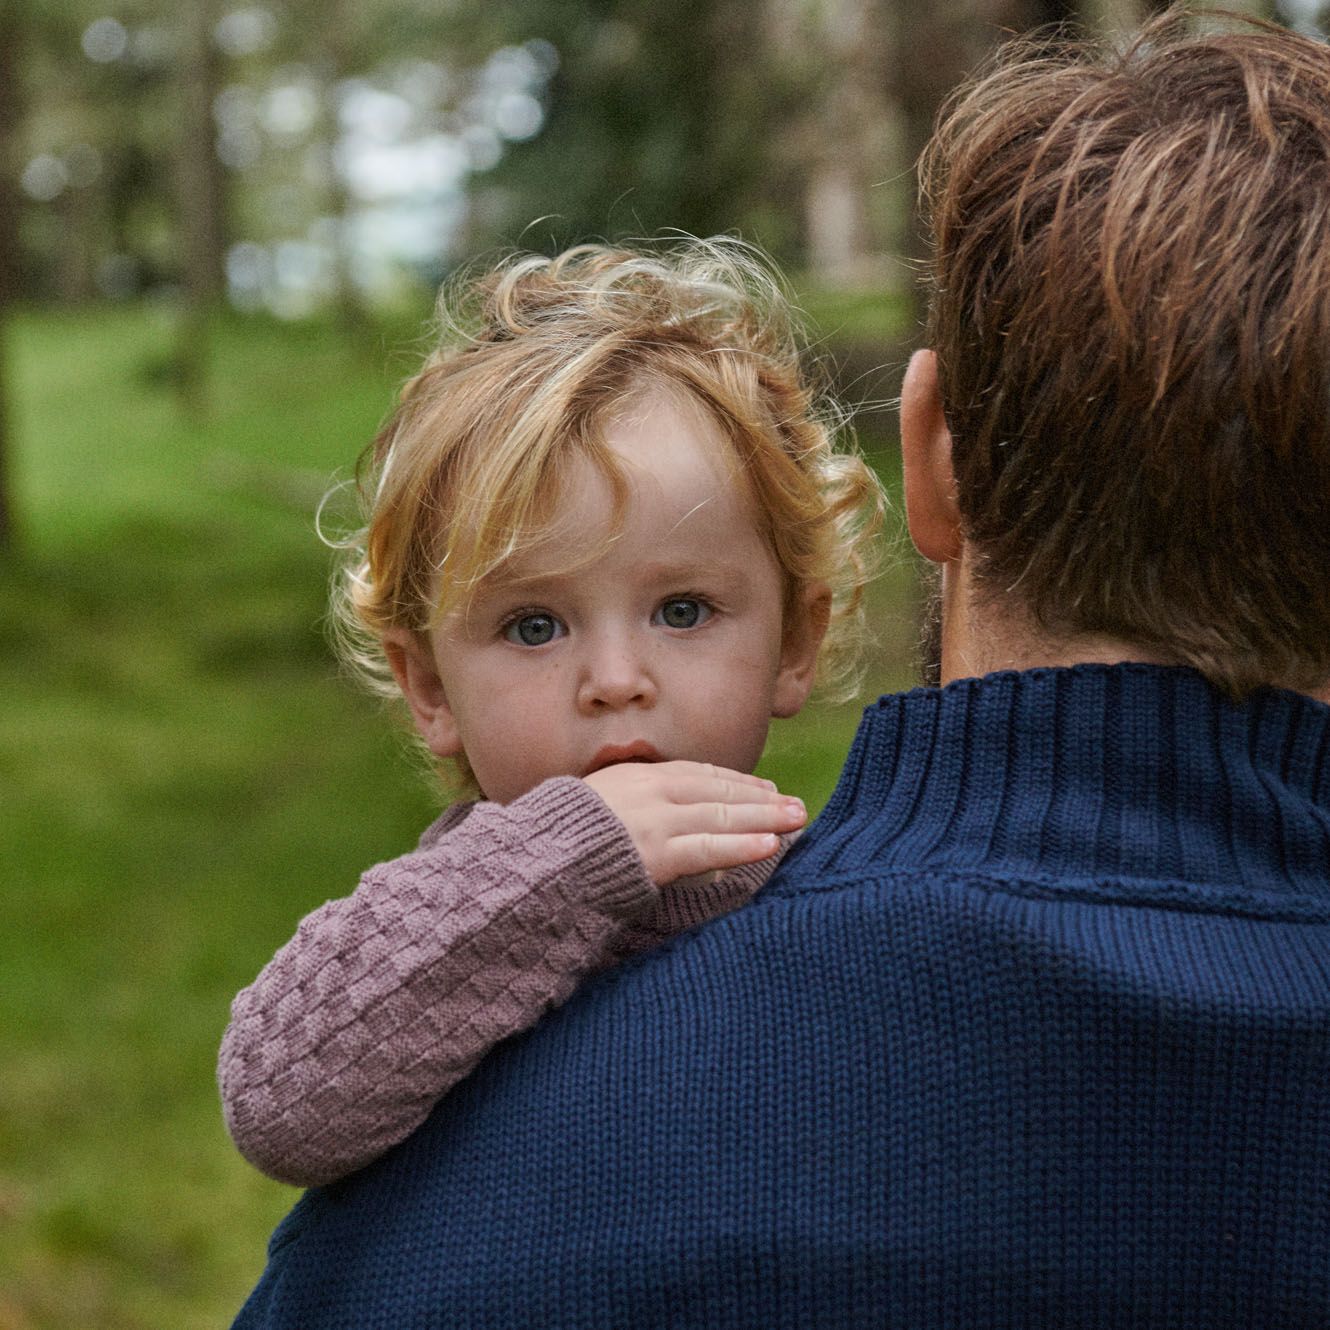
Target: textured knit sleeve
384,1000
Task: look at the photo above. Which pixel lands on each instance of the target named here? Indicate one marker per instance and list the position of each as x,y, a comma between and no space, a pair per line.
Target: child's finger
696,782
717,818
729,776
693,779
705,851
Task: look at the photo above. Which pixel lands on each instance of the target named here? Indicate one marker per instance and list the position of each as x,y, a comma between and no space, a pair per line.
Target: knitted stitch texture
1031,1029
384,1000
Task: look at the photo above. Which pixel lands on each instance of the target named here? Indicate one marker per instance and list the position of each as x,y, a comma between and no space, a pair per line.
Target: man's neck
981,635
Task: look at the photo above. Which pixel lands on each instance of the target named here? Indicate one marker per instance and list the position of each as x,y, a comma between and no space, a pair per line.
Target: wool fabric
1030,1029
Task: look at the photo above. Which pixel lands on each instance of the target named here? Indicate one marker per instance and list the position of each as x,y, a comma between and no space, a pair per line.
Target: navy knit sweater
1032,1029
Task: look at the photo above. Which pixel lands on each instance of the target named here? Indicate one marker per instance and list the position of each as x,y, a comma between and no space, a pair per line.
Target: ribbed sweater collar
1126,777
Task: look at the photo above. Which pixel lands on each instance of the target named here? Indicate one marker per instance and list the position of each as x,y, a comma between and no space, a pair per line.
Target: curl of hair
531,360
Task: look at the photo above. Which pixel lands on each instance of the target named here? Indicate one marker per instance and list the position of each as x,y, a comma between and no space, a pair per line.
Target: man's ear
931,509
805,628
417,675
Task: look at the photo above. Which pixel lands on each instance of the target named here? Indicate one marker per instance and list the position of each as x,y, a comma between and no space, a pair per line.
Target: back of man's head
1131,312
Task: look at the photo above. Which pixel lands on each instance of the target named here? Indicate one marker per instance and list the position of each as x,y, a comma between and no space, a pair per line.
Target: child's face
669,645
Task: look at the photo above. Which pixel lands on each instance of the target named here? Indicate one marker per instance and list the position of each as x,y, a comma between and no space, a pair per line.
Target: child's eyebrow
508,584
692,570
681,571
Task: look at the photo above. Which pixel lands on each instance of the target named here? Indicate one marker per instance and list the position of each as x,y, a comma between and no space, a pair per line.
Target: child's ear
931,509
804,630
417,675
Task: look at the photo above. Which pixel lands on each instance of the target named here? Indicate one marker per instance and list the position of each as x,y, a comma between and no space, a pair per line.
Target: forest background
221,226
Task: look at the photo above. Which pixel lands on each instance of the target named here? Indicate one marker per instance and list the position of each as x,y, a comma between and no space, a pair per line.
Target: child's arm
384,1000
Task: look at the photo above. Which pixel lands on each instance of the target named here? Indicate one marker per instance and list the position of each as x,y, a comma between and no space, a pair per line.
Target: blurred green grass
185,775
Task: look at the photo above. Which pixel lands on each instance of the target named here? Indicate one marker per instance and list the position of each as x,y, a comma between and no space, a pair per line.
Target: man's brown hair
1131,313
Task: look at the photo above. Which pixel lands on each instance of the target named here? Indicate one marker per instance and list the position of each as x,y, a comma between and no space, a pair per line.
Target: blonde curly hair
531,361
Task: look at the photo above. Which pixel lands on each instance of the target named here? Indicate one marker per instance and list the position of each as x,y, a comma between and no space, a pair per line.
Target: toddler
608,538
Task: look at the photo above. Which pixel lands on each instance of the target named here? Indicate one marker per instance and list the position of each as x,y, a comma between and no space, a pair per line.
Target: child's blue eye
533,630
682,612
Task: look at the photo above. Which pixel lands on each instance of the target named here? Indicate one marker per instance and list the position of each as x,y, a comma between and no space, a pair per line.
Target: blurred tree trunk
938,46
202,204
1257,8
11,111
338,44
846,154
1111,18
81,227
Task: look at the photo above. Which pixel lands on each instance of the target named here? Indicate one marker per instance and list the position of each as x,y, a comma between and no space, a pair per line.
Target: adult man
1033,1026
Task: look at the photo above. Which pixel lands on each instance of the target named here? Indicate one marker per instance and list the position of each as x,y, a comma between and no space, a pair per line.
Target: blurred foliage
436,129
650,126
703,115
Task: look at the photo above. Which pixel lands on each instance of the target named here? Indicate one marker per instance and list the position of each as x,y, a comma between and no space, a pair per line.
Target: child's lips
610,754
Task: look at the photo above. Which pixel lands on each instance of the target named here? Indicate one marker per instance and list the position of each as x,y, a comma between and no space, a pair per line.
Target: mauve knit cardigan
1031,1029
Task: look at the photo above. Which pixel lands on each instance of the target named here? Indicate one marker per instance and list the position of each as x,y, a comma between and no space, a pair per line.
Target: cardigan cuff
610,873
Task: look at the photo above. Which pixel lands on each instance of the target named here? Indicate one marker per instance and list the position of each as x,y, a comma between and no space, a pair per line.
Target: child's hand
691,817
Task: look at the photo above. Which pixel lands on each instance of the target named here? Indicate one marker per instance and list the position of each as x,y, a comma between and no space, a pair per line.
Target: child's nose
615,676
